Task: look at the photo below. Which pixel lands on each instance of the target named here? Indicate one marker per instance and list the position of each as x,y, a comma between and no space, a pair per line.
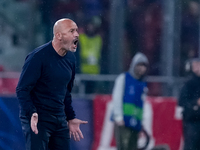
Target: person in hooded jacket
189,100
128,97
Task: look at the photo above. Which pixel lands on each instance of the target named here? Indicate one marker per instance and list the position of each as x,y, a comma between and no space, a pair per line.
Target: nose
76,34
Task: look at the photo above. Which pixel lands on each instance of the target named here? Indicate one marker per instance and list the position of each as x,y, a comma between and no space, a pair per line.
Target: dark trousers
191,131
53,133
126,138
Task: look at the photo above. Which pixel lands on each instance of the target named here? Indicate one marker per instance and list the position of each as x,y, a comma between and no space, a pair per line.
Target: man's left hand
74,128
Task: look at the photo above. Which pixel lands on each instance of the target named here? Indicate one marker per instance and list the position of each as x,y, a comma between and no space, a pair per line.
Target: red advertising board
161,124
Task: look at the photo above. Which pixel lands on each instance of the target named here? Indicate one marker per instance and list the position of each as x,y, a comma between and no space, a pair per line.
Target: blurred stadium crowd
26,24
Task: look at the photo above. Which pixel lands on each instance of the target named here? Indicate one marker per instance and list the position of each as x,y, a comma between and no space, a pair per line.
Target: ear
59,36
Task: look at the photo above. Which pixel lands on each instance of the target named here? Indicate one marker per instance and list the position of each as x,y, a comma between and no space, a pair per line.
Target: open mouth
76,42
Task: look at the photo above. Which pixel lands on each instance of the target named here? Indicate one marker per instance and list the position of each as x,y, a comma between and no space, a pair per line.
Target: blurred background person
128,98
189,32
90,48
189,100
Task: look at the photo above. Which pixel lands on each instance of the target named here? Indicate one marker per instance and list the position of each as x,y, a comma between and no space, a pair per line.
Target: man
47,117
128,95
189,100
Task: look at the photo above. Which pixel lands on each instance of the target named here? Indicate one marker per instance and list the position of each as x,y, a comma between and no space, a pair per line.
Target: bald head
65,35
61,25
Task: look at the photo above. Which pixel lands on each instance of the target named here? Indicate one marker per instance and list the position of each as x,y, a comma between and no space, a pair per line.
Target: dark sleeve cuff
31,111
71,117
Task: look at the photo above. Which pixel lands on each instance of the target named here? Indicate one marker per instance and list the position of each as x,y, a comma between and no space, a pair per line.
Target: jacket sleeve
69,111
183,96
117,98
185,100
188,101
30,74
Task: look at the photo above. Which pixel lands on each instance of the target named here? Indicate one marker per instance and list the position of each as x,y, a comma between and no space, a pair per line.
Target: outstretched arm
74,128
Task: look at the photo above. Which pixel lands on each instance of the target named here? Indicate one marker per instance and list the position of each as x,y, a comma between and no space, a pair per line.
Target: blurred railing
100,84
168,86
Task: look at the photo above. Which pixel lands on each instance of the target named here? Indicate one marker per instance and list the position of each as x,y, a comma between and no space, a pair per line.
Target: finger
74,136
84,122
34,128
70,134
81,134
77,136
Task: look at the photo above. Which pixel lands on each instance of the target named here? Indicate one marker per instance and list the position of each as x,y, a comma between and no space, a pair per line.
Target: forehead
70,25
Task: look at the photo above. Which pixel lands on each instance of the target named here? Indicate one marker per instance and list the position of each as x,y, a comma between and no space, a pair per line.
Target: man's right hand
34,121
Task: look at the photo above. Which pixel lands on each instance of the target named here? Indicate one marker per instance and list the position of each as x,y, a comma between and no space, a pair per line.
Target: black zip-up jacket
46,82
189,95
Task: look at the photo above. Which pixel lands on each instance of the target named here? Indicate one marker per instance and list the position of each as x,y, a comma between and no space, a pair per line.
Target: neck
62,52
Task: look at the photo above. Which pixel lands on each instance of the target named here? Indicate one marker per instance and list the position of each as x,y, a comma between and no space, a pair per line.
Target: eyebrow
73,29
